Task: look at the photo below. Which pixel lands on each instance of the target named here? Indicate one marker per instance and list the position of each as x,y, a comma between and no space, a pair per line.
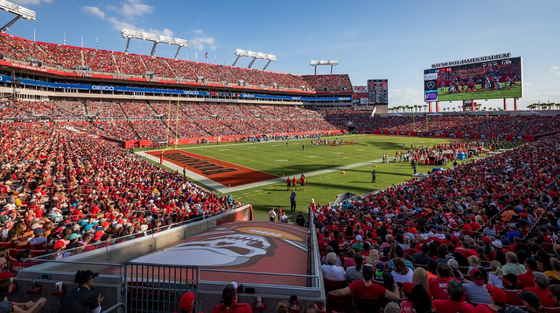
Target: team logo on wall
225,250
240,245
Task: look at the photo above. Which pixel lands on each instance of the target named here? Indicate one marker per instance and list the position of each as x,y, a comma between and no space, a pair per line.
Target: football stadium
133,182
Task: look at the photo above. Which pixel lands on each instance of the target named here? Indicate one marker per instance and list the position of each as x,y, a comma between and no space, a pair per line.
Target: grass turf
291,160
514,92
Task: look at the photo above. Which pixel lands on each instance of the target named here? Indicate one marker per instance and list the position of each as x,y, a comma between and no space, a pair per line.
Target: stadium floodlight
254,55
18,10
316,63
155,38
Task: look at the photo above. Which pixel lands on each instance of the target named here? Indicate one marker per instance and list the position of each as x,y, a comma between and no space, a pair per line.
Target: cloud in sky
199,41
134,8
555,69
94,11
133,5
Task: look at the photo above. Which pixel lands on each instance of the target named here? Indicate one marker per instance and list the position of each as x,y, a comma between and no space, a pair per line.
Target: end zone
214,173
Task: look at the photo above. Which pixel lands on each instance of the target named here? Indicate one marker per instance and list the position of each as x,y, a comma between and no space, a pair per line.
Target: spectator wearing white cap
358,245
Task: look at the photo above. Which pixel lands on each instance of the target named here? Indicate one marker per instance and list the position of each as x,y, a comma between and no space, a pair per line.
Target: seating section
129,63
131,120
333,82
69,58
83,177
476,214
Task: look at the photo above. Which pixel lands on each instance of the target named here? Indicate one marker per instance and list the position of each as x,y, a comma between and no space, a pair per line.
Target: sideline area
225,189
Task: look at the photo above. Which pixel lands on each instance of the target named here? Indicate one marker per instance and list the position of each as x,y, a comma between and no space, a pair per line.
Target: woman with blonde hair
496,273
282,307
373,257
474,262
419,277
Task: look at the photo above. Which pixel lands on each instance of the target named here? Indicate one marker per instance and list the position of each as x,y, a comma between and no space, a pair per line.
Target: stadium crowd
333,82
121,120
480,237
62,193
78,59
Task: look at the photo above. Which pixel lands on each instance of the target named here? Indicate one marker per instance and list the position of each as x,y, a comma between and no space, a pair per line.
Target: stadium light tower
255,55
316,63
17,10
155,38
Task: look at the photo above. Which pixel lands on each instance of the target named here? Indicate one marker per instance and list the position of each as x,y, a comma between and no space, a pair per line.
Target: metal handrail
150,232
255,273
72,262
314,251
116,306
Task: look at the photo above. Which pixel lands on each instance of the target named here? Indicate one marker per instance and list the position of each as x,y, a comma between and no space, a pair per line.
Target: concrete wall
109,260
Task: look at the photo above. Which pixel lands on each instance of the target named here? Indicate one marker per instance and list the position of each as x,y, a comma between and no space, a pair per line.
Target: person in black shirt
81,298
300,219
422,258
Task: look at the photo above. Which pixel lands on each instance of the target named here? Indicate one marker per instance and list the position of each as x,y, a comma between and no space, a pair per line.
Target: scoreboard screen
378,92
494,79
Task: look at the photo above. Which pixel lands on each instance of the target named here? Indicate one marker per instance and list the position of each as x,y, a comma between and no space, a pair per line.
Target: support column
437,106
515,104
473,106
430,107
505,105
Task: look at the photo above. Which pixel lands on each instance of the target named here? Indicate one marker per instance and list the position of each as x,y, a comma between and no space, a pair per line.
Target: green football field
291,160
514,92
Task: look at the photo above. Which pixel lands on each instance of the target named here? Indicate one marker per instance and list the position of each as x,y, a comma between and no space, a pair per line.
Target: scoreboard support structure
430,109
514,104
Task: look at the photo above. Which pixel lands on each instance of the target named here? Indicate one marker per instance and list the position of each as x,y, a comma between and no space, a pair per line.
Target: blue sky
371,39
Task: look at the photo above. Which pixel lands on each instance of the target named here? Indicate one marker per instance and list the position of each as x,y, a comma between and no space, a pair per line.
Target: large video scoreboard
492,77
378,92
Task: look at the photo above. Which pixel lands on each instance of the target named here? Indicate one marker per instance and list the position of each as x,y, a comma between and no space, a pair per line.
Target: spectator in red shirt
466,250
527,279
497,301
366,288
439,285
186,304
542,283
454,303
531,302
229,302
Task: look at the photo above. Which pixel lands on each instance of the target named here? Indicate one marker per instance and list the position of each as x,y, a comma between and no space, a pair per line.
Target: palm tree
426,107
